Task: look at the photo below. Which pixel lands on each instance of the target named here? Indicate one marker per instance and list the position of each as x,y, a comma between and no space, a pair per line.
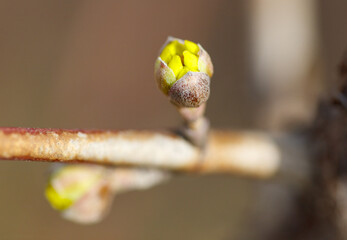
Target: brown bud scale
192,90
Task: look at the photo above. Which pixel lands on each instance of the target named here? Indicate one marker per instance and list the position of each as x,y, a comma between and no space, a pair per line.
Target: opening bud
182,71
81,192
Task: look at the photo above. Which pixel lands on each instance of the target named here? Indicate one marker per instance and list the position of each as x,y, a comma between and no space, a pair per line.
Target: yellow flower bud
69,184
178,58
84,193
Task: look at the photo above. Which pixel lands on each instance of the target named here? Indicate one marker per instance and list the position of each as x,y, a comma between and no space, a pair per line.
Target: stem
196,127
245,153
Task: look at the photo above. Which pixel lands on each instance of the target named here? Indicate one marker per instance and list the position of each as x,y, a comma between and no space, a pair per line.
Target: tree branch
248,153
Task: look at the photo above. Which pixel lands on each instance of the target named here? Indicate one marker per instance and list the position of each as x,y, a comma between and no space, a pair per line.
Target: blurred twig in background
285,59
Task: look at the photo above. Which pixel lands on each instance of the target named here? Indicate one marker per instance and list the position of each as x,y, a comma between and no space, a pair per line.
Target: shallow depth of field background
89,64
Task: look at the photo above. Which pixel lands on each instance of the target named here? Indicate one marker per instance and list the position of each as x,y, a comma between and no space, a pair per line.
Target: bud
84,193
182,71
81,192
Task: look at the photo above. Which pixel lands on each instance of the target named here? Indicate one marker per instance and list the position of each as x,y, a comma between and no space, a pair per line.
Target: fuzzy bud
182,71
81,192
84,193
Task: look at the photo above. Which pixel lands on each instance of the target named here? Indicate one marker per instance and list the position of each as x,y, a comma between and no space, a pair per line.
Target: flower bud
182,71
70,183
81,192
84,193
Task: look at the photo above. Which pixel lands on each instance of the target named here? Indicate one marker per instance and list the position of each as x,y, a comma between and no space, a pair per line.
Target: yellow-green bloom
69,184
182,71
83,193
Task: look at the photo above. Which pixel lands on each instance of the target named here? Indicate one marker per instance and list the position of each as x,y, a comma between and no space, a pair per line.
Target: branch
247,153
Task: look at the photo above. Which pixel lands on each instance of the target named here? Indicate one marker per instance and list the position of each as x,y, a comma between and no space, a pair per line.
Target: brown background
89,64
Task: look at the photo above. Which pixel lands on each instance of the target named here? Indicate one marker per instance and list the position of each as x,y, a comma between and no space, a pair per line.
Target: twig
248,153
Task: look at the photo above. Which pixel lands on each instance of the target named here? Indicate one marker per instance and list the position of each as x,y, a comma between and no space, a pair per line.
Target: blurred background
89,64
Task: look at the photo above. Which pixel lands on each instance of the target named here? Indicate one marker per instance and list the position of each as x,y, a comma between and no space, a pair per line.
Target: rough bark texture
248,153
